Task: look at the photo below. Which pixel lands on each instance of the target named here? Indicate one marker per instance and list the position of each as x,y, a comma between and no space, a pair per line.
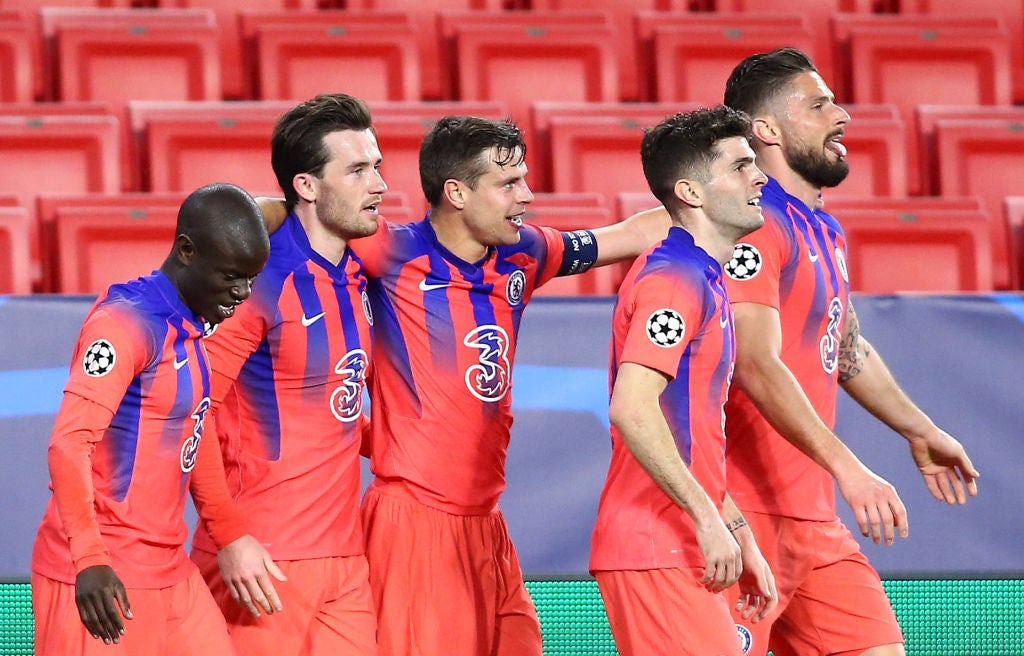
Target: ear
184,249
305,186
766,130
455,192
689,193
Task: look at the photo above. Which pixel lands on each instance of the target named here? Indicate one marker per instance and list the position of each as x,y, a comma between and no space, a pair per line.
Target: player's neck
326,243
451,233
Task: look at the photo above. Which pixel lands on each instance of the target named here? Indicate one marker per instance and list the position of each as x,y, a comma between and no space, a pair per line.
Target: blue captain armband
580,252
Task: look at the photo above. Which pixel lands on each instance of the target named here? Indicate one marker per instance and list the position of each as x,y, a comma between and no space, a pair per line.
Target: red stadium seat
131,204
876,151
1010,11
929,115
597,154
15,259
690,56
521,64
400,129
915,245
983,158
423,17
375,61
598,281
1014,206
541,113
583,199
234,65
97,247
621,14
910,61
71,154
17,58
632,202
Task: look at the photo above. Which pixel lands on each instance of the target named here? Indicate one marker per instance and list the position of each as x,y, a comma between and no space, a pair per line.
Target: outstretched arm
765,378
630,237
942,460
636,413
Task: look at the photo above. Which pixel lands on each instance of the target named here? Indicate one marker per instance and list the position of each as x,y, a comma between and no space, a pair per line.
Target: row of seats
170,147
190,52
909,244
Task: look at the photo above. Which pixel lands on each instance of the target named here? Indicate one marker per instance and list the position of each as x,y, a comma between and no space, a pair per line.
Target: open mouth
226,311
516,220
755,201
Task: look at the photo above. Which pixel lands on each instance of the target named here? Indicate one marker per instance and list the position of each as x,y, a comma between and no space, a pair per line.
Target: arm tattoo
853,350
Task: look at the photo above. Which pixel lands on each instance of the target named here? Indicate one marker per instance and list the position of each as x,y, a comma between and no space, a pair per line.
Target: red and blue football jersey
289,372
131,421
672,315
795,263
445,332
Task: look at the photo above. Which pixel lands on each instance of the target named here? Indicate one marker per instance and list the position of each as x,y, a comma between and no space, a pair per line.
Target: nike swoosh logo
813,256
724,321
309,321
426,286
178,364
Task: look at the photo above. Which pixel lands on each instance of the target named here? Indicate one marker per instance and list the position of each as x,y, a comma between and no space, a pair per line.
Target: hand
758,594
875,504
102,601
945,467
244,565
722,562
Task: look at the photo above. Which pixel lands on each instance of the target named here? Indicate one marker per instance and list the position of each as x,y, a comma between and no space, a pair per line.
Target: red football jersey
796,263
131,420
672,315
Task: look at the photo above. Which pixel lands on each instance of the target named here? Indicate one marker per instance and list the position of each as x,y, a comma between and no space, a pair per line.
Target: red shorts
445,584
181,620
328,609
666,612
831,600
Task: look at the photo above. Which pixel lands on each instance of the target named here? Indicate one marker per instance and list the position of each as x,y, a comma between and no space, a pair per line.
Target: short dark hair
221,212
683,146
297,145
457,147
759,78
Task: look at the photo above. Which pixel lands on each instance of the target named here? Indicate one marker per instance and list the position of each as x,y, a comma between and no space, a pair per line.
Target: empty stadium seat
582,199
983,158
876,146
423,17
928,115
371,61
915,244
690,56
57,153
598,281
15,260
596,154
621,15
1014,206
234,64
400,129
541,113
130,204
632,202
97,247
521,64
910,61
1010,11
17,58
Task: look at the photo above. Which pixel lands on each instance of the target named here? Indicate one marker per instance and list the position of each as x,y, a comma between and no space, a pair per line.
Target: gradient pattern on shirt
802,274
638,525
290,426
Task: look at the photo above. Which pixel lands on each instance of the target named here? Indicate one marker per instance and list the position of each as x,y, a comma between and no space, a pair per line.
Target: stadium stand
877,152
15,256
17,56
915,244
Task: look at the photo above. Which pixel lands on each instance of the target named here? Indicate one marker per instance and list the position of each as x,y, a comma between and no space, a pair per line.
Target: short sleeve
753,275
667,313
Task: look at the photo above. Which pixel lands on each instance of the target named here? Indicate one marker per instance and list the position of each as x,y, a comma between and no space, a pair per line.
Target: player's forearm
632,236
69,459
210,492
875,389
777,394
737,524
649,440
